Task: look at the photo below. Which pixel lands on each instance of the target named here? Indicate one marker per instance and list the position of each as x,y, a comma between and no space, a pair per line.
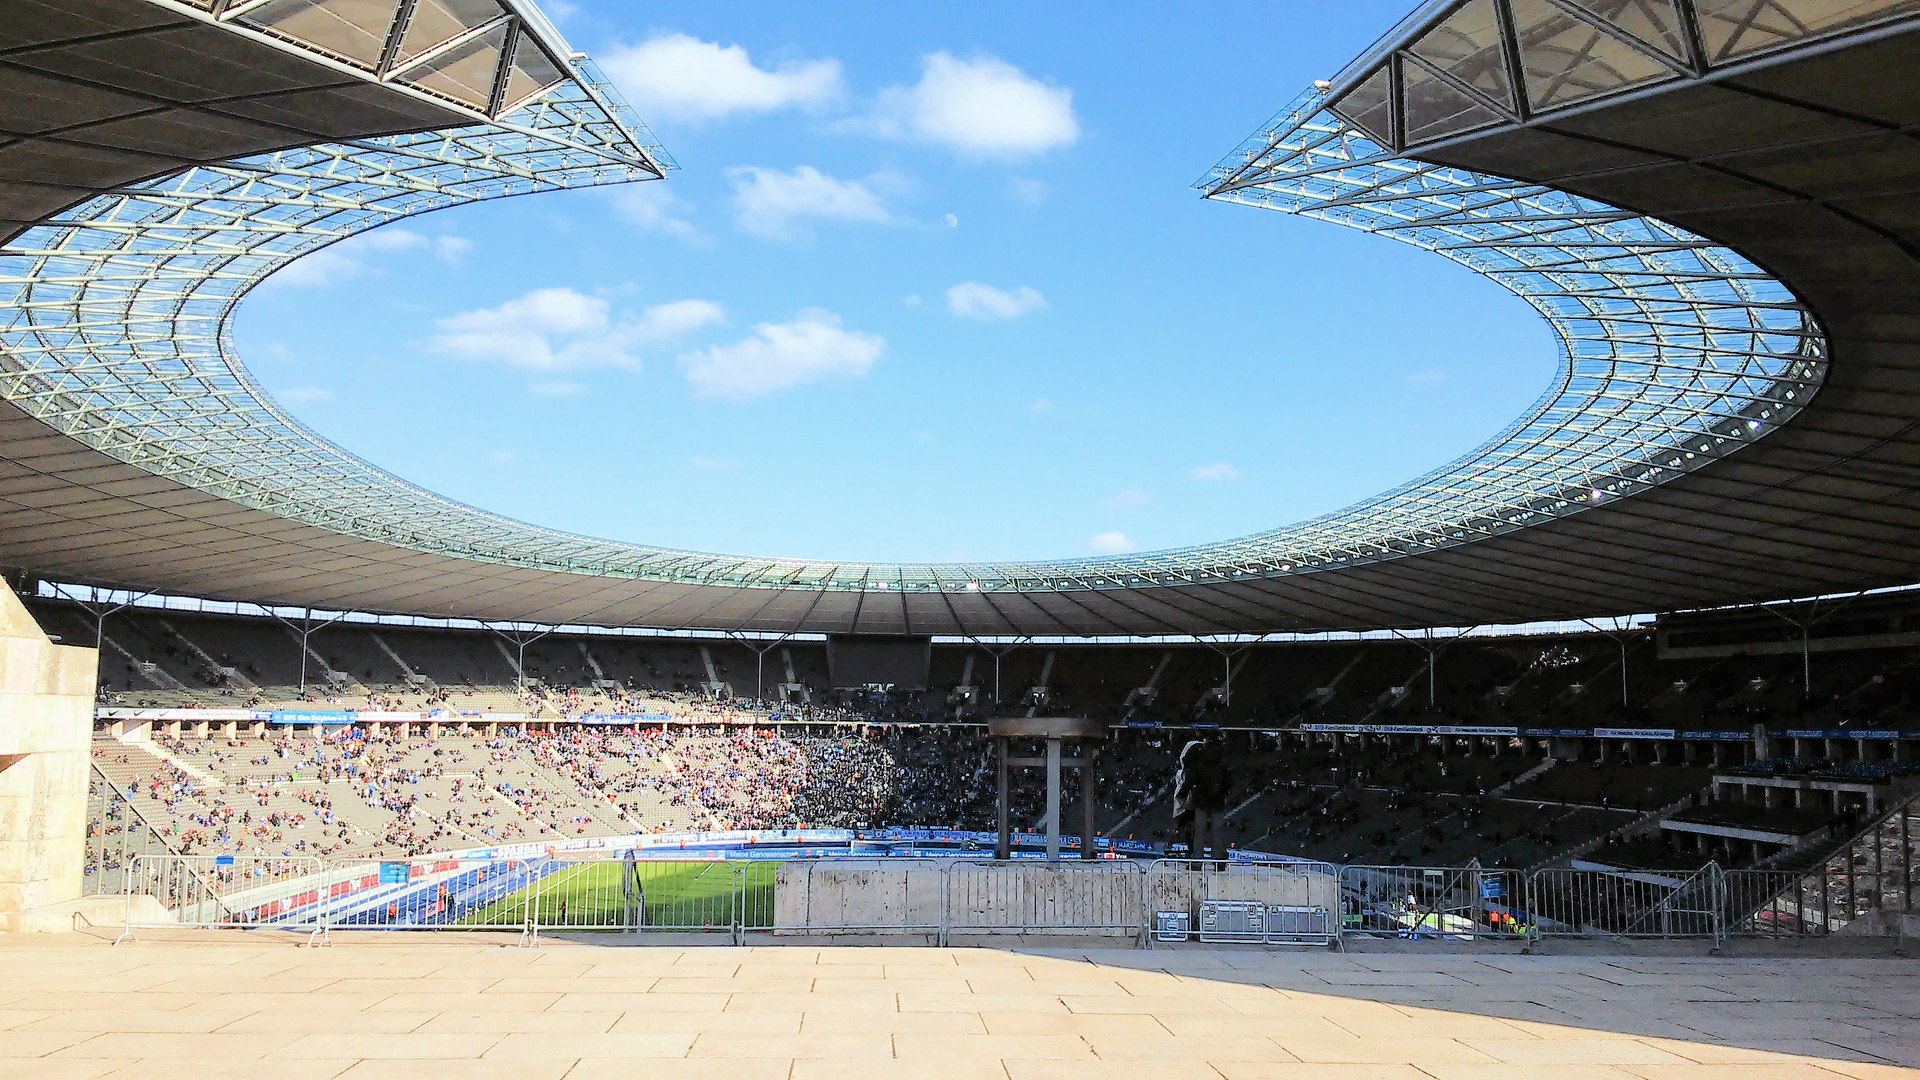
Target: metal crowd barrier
433,892
1605,903
225,892
624,894
1461,903
1283,903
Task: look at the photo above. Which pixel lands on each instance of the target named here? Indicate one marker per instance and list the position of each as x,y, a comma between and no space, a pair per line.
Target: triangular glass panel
1369,106
1731,28
436,22
1434,109
533,71
1466,45
353,30
1653,23
464,73
1566,60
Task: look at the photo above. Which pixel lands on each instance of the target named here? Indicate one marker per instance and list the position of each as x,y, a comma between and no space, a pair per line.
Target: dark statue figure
1200,799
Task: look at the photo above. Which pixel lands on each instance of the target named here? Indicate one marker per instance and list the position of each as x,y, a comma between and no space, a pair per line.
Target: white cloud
974,300
1110,543
770,202
559,329
653,207
388,239
1127,500
300,394
984,107
1219,470
559,388
674,77
338,262
662,323
1041,405
780,355
321,268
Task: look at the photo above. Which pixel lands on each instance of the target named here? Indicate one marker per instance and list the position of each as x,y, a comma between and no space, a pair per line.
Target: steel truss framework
1458,66
114,317
487,57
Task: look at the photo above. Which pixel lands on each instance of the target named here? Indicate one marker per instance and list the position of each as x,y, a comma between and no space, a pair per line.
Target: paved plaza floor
215,1005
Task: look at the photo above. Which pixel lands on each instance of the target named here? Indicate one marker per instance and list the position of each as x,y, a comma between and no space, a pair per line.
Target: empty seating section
159,658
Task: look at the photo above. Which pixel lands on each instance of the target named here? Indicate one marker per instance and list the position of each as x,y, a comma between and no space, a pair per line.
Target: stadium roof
1710,201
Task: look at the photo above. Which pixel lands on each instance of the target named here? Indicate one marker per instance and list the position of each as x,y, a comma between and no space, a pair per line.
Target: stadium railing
117,832
1872,873
1870,876
1564,902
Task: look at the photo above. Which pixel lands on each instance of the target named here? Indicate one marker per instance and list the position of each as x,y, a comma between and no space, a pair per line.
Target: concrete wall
46,725
1023,896
858,895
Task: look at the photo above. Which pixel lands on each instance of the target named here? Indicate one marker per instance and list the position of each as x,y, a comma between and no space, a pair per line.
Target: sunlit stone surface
217,1005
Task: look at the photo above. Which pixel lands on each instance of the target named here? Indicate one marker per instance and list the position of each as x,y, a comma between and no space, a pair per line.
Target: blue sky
930,284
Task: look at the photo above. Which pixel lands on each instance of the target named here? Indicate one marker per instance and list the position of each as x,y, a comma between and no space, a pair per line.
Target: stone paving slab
409,1007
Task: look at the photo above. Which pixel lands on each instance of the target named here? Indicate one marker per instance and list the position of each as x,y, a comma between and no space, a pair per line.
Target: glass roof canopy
113,318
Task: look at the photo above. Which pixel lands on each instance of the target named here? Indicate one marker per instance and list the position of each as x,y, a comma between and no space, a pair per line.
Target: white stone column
46,729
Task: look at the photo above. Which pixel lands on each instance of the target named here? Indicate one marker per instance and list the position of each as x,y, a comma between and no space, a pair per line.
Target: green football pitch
689,895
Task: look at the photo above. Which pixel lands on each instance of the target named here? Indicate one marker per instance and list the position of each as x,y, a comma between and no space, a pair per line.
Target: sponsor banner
1632,733
1842,733
1143,723
1408,729
195,715
1240,855
806,843
622,719
1558,732
372,717
284,717
1723,736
